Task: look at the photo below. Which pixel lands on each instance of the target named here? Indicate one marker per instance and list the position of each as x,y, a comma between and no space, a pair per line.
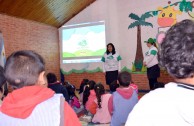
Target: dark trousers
111,76
152,83
111,90
153,73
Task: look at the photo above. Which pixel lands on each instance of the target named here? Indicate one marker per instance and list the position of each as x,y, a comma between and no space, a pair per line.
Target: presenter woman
111,64
151,62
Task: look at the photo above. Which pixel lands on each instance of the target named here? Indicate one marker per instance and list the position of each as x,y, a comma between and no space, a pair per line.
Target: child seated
74,102
89,94
81,89
100,105
123,100
32,103
57,86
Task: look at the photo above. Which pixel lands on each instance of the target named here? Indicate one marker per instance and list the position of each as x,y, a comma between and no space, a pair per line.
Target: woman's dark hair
124,79
2,78
23,68
51,78
88,87
114,86
177,50
83,83
113,49
99,89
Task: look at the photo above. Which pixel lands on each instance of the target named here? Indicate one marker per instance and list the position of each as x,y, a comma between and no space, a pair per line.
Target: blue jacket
122,106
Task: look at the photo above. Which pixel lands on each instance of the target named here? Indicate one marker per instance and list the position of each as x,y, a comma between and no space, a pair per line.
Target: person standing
111,65
173,104
151,62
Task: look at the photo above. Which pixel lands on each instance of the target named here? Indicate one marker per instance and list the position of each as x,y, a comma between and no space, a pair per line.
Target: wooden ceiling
51,12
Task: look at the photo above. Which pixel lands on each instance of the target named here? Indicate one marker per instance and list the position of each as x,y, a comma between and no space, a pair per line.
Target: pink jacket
102,115
91,98
135,87
75,102
126,93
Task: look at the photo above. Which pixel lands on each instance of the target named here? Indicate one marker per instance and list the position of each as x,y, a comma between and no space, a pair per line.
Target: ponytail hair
154,44
99,89
88,87
83,83
71,90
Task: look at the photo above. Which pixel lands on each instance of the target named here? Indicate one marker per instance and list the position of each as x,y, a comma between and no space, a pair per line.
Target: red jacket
21,102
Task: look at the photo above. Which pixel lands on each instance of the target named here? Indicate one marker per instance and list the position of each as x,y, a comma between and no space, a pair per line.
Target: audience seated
56,85
74,101
89,94
82,87
32,103
101,113
123,100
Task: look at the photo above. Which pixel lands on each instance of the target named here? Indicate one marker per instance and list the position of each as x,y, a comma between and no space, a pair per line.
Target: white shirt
169,106
151,57
111,62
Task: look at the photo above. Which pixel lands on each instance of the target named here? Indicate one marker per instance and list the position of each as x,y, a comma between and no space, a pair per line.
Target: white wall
115,14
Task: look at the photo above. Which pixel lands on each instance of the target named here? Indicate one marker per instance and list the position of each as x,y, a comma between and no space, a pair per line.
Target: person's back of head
83,83
124,79
177,50
71,90
89,86
23,68
51,77
99,89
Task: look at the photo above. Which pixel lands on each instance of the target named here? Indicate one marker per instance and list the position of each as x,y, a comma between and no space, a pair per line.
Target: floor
88,124
84,121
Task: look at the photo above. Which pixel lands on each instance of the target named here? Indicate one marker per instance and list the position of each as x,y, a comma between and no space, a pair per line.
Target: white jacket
169,106
151,57
47,113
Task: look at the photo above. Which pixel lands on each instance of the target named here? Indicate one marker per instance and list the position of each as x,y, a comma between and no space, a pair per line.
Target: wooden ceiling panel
51,12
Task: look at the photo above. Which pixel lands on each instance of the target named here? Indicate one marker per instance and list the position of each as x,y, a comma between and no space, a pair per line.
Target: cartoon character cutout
167,16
